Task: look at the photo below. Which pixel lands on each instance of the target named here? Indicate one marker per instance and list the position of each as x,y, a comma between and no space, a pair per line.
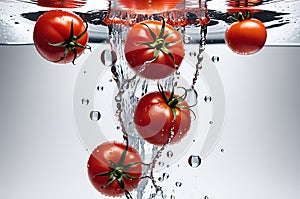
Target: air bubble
187,39
207,98
159,192
85,101
194,161
206,197
169,154
95,115
193,54
161,164
178,184
100,88
165,176
108,57
192,97
215,59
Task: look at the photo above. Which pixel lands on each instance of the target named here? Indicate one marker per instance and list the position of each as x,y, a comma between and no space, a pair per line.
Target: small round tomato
146,6
246,36
60,36
154,49
61,3
162,118
114,169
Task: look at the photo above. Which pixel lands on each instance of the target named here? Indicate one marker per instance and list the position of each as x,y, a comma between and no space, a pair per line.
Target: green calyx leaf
159,44
174,102
71,43
241,16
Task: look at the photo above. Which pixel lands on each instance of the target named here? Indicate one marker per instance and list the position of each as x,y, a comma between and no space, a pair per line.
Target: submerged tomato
154,49
146,6
162,117
61,3
60,36
246,36
114,169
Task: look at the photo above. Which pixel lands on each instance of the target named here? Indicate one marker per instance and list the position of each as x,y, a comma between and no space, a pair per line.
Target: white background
42,157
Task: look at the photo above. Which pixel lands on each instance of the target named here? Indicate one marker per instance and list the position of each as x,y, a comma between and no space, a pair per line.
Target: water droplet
187,39
222,150
95,115
100,88
211,122
207,98
193,54
194,161
178,184
165,176
159,192
85,101
161,164
206,197
215,59
172,197
169,154
192,97
108,57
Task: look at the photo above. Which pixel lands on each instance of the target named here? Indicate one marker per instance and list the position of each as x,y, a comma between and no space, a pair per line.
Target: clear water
99,78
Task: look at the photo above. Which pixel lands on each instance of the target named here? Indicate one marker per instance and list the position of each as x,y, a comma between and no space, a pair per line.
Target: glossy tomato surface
107,158
246,37
61,3
154,119
53,28
137,53
146,6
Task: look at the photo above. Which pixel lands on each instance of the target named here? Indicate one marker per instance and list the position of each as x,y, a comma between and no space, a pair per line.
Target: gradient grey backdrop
42,157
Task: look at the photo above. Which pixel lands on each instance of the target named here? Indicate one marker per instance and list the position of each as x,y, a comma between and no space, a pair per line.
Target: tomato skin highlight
61,3
146,6
100,162
246,37
54,27
136,54
154,119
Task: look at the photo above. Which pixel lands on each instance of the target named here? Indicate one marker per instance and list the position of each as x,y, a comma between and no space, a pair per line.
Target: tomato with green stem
114,169
60,36
154,49
162,117
246,36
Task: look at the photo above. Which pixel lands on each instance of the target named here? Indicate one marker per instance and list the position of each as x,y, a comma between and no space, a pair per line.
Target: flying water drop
85,101
169,154
108,57
194,161
95,115
215,59
207,98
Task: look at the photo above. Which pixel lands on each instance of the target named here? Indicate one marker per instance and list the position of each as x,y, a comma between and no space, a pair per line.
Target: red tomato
246,36
146,6
154,49
61,3
60,36
157,114
113,169
243,3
